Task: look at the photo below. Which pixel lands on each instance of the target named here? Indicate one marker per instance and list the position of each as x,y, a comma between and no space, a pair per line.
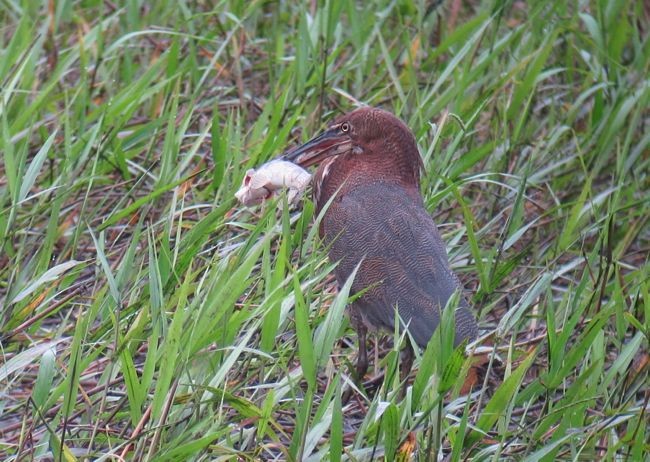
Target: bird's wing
405,262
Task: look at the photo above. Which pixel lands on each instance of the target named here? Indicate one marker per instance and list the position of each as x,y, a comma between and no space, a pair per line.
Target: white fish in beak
259,185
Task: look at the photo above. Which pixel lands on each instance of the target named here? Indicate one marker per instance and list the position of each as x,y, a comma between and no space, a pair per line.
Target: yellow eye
345,127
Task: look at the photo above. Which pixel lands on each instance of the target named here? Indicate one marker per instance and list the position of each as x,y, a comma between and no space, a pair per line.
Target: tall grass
146,316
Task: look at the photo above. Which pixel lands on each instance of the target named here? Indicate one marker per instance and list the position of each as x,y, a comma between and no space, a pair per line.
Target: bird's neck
342,175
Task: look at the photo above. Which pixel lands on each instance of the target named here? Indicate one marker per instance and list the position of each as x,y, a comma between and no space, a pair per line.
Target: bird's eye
345,127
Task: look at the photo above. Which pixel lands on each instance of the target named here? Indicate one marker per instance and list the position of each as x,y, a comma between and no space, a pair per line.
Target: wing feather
405,263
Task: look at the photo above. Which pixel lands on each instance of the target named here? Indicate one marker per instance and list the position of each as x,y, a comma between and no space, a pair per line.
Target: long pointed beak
329,143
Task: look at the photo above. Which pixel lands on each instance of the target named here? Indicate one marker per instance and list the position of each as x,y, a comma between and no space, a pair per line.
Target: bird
368,184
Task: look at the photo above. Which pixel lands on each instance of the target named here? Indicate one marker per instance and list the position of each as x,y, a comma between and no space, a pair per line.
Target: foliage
144,315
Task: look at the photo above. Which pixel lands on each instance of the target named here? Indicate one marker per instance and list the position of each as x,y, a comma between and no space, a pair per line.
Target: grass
145,316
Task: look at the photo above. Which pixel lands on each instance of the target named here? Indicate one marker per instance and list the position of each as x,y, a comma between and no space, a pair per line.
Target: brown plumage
370,162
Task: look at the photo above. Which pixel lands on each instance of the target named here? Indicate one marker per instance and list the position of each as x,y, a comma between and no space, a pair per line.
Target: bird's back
405,263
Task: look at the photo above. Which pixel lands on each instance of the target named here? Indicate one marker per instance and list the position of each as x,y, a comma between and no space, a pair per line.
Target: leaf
593,29
568,234
505,394
336,432
327,331
170,349
106,267
526,88
219,149
514,314
132,386
549,448
45,377
50,275
35,167
304,334
452,369
117,216
471,158
391,430
25,358
194,446
471,238
267,410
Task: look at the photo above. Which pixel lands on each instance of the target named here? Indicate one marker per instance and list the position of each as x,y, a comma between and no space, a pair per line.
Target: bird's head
367,140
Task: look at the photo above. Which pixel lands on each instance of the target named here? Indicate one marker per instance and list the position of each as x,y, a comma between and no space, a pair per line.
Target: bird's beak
329,143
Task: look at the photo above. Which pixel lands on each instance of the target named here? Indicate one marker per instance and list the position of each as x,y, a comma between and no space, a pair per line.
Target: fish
262,183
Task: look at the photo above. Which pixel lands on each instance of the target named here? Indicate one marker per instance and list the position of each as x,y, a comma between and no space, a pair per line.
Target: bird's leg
362,357
407,356
356,319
